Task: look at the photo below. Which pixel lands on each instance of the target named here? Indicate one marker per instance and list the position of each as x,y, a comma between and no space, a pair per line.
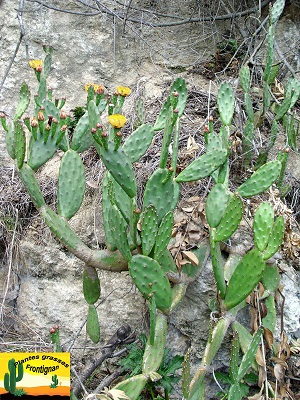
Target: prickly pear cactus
138,225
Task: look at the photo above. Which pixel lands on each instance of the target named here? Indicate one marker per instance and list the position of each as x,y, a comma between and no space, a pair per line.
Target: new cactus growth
91,285
14,375
226,103
92,324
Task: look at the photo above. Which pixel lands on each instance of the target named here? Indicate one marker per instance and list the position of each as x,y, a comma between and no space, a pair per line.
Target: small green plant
19,392
166,378
55,339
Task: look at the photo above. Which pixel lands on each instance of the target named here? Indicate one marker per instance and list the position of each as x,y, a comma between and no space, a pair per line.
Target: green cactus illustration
12,377
54,383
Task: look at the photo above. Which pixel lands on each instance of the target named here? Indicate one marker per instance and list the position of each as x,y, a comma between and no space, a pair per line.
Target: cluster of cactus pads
137,235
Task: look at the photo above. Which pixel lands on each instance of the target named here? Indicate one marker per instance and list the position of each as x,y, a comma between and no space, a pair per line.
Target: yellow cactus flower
97,88
35,64
123,91
117,120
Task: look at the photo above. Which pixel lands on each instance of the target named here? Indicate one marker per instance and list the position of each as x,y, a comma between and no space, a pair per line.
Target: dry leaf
279,371
260,358
263,310
258,396
262,376
261,290
189,255
188,209
269,337
193,199
92,184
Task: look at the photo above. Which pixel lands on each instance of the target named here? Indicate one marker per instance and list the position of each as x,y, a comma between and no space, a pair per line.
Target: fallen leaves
190,228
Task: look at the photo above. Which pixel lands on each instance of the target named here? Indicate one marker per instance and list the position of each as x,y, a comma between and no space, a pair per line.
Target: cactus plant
54,383
137,239
12,377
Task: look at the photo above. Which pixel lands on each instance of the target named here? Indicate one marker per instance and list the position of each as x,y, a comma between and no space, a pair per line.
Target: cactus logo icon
30,375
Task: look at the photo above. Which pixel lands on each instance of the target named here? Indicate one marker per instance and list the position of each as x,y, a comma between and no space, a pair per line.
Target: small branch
106,10
106,382
126,16
22,34
11,61
123,335
22,28
285,62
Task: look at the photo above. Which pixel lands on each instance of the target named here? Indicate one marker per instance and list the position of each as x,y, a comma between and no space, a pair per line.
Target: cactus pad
92,324
39,152
271,278
231,218
149,278
10,142
245,78
269,321
226,103
276,11
149,229
106,206
262,225
118,227
159,192
24,101
216,205
138,142
120,167
20,144
29,180
133,386
91,285
163,235
203,166
275,239
249,356
244,278
261,180
71,184
82,137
